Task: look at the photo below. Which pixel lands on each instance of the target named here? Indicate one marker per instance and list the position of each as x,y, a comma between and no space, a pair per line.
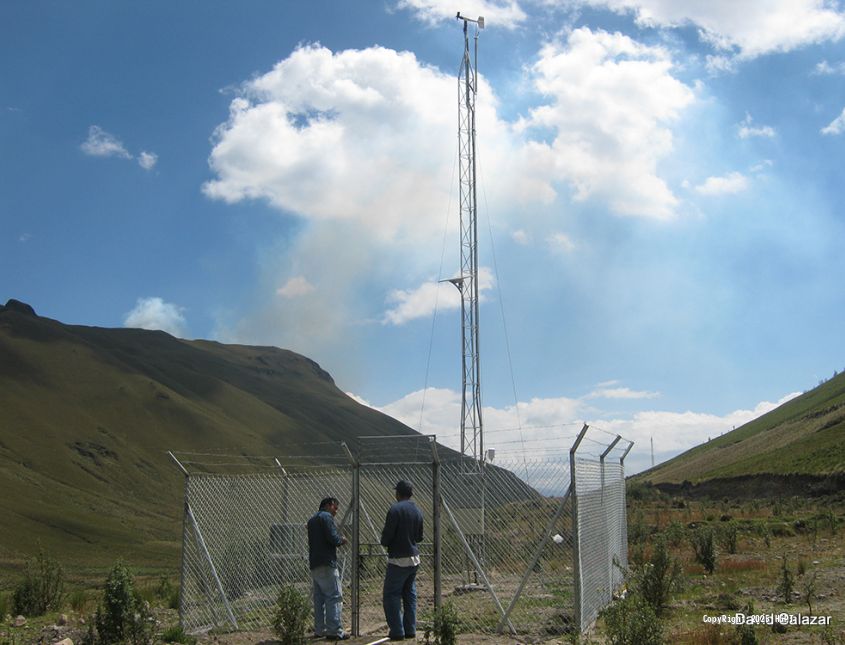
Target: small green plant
41,588
77,599
674,533
444,627
704,546
802,568
123,616
632,621
808,591
745,634
729,536
176,634
786,583
4,604
658,578
831,521
290,620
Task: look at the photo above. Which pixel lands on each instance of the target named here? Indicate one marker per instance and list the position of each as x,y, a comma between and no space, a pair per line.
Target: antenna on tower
472,438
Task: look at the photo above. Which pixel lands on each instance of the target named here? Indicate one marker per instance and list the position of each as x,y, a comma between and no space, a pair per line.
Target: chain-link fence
502,541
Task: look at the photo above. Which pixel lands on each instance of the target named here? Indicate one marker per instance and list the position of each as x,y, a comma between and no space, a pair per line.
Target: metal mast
472,440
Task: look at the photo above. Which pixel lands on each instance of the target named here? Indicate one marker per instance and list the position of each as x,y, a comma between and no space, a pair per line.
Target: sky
659,186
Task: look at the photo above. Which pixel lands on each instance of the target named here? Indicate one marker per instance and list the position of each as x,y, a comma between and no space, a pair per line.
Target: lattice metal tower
472,438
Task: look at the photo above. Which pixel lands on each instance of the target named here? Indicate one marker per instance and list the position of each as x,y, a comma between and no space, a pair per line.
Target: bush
5,605
674,533
705,548
632,621
290,620
77,600
123,616
729,536
786,582
176,634
444,629
658,577
42,586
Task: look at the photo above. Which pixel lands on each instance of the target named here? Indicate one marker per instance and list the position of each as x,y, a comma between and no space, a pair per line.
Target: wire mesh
602,534
506,549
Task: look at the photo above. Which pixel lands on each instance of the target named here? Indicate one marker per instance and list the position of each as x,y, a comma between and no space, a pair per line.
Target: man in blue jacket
403,531
323,540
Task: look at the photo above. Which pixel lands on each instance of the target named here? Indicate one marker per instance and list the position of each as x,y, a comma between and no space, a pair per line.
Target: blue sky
660,196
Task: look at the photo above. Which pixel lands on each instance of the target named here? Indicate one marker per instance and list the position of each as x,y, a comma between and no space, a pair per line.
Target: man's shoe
396,638
409,637
336,637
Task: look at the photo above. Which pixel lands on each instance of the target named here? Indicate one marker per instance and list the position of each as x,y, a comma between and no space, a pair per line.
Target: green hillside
804,436
88,415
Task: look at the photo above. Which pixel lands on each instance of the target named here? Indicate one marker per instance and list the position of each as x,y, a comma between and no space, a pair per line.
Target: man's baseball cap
404,488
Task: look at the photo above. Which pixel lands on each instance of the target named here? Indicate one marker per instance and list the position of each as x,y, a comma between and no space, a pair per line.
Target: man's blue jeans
328,601
400,589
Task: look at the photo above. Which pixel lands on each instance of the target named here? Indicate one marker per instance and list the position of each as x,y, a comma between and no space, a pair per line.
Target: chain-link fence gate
507,544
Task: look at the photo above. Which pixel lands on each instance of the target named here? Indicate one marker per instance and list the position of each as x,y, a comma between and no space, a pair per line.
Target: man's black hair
328,500
404,489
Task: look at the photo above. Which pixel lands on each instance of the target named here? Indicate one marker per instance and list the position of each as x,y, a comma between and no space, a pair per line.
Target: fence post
435,513
184,534
610,546
355,546
576,555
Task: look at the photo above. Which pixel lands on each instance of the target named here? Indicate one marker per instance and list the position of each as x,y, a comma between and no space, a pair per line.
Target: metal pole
576,551
538,552
355,546
178,463
204,549
435,512
475,562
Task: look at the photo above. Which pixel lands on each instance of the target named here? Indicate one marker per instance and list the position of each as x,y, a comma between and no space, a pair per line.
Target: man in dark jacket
323,540
403,531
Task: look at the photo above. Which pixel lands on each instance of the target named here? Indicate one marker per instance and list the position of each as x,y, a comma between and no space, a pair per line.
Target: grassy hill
88,415
803,439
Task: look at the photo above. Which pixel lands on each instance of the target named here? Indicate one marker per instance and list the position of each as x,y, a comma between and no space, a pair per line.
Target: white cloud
752,27
295,287
154,313
746,129
826,69
611,102
496,13
361,135
421,302
550,425
520,237
560,242
731,183
147,160
621,393
720,64
837,126
102,144
23,238
762,166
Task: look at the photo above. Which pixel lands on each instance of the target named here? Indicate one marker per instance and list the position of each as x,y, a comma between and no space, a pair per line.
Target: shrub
808,591
632,621
444,628
658,577
77,599
675,533
705,548
123,616
176,634
4,604
786,582
290,620
729,536
41,588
